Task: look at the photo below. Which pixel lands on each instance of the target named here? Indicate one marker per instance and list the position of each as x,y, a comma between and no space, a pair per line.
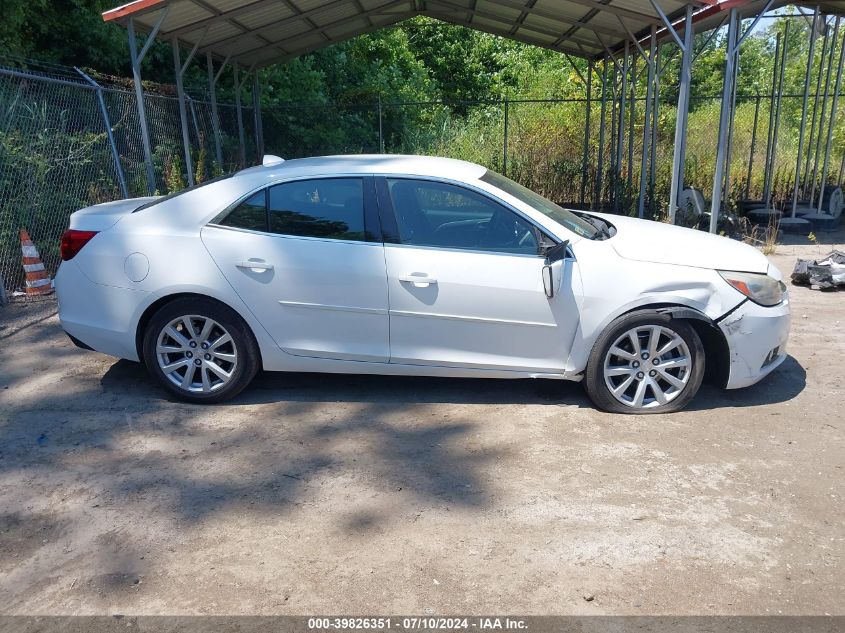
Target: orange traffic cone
38,282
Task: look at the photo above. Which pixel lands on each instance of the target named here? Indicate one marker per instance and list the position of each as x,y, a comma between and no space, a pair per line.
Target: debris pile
827,273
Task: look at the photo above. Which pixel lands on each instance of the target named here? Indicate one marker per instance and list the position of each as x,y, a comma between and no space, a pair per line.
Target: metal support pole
183,113
256,108
679,155
620,134
240,118
753,147
380,128
655,116
811,138
631,111
505,140
215,119
612,148
724,121
776,131
804,105
585,160
776,61
731,120
652,64
832,125
824,109
118,167
602,123
139,98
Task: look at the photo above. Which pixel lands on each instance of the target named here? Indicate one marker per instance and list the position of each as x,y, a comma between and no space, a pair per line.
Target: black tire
242,343
600,393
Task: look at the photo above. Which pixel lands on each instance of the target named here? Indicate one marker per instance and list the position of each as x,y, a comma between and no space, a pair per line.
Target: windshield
546,207
176,194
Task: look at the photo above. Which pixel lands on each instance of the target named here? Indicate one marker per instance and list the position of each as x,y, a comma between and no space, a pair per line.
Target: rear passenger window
331,208
250,214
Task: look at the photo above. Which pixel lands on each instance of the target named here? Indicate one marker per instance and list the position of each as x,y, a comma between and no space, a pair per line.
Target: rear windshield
176,194
538,202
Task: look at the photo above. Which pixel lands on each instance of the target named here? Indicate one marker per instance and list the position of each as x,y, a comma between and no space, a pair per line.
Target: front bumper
756,338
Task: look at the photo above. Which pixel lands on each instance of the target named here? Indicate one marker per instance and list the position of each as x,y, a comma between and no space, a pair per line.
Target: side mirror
553,254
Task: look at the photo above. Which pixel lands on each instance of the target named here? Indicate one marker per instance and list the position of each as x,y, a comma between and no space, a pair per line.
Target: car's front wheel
200,350
645,362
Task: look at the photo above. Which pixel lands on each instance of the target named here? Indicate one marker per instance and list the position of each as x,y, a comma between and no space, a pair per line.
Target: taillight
73,241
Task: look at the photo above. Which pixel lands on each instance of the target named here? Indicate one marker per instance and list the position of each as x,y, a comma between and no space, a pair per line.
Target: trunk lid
100,217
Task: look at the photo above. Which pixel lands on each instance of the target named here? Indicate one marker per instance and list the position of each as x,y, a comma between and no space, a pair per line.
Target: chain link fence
56,153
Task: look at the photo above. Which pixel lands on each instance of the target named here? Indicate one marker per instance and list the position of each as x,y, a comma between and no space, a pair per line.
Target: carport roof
257,33
264,32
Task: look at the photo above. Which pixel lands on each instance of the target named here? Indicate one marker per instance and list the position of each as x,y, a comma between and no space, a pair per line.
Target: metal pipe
256,110
118,167
655,115
652,63
731,120
240,118
778,109
753,147
602,123
804,105
824,109
770,129
215,119
631,111
811,138
585,160
139,98
505,140
183,113
832,123
620,141
724,118
380,128
679,155
612,149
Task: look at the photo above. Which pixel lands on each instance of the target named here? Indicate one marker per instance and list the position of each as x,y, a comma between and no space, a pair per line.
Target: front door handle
418,279
255,265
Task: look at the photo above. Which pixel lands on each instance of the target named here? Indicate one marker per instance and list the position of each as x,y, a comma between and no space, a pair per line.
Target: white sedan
408,265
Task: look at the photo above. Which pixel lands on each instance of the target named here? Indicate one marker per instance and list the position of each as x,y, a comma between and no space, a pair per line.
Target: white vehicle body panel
343,307
484,310
321,298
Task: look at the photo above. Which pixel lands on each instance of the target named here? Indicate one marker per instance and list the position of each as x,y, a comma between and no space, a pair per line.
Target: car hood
648,241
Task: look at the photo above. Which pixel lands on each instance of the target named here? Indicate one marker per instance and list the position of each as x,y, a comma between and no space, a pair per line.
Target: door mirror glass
548,281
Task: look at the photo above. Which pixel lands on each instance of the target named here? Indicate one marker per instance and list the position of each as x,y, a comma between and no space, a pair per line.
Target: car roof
368,164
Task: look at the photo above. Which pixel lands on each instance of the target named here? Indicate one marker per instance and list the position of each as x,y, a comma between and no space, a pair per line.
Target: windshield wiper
601,227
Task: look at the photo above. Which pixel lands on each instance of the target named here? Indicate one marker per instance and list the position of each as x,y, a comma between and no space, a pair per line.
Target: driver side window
430,213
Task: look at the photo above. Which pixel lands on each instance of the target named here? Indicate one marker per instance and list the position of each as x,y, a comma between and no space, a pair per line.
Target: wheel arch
156,305
716,350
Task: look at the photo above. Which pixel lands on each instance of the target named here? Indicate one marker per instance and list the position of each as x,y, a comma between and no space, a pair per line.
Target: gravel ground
354,494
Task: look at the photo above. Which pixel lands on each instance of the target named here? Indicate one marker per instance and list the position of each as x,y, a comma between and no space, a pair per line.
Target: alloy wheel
196,354
647,366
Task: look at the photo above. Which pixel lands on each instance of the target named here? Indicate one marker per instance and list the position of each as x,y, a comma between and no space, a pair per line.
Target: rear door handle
419,279
255,265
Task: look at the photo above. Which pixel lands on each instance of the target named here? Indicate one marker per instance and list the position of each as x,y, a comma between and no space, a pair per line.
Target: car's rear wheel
200,350
645,362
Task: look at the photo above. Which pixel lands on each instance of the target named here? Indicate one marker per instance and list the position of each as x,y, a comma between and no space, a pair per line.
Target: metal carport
252,34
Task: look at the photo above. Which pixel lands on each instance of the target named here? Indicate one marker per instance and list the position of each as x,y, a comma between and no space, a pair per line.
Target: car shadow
784,384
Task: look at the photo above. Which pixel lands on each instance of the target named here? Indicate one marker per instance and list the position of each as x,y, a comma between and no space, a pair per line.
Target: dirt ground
347,494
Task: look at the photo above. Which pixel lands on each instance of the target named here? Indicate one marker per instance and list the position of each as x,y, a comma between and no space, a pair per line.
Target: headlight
762,289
